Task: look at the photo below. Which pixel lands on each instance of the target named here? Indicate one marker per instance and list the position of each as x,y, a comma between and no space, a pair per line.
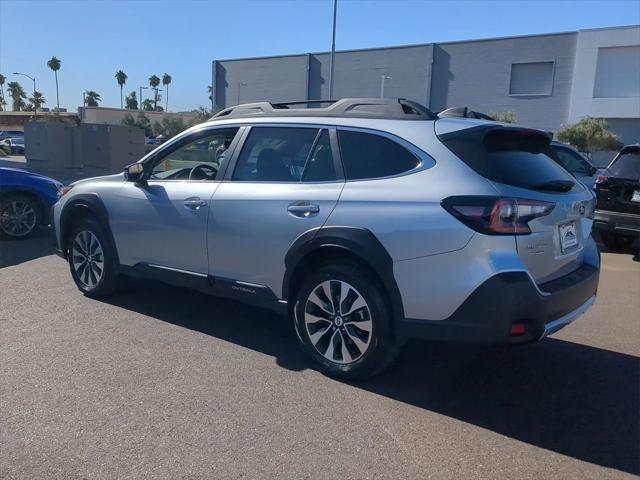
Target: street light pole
333,50
382,79
240,85
140,99
35,108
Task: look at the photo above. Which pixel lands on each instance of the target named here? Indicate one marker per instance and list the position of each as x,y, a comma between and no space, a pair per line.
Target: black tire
108,280
382,348
7,216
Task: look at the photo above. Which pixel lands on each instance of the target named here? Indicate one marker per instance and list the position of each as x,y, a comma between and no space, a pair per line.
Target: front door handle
194,203
303,209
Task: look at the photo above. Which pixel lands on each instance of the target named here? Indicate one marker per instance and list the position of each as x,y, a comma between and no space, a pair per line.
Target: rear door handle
303,209
194,203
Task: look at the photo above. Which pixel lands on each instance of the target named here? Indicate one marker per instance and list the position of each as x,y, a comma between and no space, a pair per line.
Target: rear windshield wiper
554,186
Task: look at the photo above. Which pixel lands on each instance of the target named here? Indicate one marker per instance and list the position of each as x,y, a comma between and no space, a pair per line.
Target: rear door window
275,154
572,161
367,156
522,158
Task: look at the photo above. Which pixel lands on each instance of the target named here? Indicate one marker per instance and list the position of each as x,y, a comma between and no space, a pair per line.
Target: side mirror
134,173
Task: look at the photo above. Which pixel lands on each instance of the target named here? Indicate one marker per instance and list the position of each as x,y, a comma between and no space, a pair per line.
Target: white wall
583,101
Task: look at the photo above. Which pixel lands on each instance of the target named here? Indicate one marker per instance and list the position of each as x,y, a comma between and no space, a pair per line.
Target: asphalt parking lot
165,383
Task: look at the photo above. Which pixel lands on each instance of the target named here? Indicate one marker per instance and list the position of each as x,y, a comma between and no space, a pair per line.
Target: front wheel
344,321
92,259
19,216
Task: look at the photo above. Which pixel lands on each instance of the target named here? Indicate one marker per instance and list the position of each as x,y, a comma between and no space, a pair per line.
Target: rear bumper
616,222
488,314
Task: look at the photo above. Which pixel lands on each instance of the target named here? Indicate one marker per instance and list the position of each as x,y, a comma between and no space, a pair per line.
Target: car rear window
626,165
522,158
366,155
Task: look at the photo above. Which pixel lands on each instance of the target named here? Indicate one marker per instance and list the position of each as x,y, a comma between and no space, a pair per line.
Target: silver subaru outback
367,221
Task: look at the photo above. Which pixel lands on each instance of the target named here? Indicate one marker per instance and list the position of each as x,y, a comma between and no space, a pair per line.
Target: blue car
25,201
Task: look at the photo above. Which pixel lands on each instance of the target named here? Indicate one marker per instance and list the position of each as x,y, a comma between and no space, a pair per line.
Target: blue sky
96,38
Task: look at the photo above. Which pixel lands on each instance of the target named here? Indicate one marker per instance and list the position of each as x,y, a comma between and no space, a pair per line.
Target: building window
535,78
617,72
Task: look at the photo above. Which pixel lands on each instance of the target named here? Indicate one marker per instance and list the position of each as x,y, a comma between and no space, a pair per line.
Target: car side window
572,162
275,154
320,166
199,159
366,156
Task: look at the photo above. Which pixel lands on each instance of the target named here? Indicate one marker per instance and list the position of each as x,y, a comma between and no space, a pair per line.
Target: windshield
626,165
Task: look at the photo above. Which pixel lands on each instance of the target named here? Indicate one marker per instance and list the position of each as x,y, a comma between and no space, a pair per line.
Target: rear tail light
497,215
601,178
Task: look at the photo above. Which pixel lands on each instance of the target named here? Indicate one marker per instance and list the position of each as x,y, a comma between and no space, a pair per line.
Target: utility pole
333,50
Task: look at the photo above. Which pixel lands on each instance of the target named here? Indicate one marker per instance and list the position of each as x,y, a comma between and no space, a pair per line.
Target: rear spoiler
496,128
464,112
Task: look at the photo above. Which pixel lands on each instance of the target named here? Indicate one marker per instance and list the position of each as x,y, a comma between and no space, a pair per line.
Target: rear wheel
343,322
19,216
92,259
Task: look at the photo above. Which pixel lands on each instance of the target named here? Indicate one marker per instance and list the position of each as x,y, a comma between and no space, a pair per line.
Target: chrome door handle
303,209
194,203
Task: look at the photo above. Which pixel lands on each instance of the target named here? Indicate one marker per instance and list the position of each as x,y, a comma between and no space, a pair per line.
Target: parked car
25,201
617,215
368,222
11,133
575,163
13,145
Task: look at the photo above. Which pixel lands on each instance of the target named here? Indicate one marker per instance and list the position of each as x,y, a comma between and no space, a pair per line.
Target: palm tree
17,94
92,98
2,100
37,100
166,80
54,64
147,104
154,81
131,101
121,78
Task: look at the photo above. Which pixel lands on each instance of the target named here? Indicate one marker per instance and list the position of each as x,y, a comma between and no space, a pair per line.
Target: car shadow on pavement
573,399
14,252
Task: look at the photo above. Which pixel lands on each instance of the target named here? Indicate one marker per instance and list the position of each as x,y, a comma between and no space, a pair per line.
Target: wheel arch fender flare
85,203
357,242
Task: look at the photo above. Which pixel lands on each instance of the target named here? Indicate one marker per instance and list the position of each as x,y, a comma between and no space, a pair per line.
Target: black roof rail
383,108
463,112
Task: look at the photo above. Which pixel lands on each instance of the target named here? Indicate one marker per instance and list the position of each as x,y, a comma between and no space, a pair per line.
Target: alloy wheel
87,259
18,218
338,321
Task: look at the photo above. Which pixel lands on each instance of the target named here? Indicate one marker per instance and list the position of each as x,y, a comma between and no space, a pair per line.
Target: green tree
166,80
589,135
17,94
3,102
92,98
131,101
37,100
55,64
154,81
504,117
121,78
141,122
147,104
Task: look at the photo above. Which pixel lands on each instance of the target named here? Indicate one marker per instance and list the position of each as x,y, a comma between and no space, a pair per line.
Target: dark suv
617,215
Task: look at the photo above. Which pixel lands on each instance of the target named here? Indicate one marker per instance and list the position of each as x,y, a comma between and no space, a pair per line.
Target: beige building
114,116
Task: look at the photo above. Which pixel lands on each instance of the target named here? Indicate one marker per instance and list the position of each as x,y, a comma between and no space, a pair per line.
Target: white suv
368,221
